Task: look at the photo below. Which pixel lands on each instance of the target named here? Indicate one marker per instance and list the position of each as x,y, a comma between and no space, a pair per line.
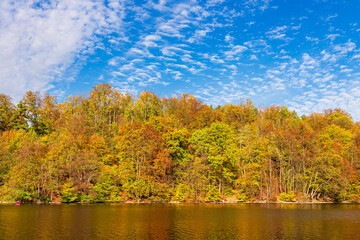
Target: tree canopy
113,147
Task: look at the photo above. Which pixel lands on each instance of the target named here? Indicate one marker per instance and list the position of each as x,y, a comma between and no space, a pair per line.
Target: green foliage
217,145
213,195
242,197
69,193
138,189
6,112
354,195
180,193
24,196
287,197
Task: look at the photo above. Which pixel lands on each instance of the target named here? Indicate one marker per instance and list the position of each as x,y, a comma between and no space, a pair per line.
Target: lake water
181,221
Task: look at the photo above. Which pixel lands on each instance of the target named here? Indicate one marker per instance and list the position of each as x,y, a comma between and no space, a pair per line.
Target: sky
301,54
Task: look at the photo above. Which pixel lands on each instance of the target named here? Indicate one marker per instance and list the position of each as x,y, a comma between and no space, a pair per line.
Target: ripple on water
182,221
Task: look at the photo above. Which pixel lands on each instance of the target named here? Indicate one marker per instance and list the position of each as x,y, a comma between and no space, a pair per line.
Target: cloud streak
41,40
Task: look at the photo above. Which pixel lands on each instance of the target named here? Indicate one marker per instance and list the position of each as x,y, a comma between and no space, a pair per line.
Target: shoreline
175,202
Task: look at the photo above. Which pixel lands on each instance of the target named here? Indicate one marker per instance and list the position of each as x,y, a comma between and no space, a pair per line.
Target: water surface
181,221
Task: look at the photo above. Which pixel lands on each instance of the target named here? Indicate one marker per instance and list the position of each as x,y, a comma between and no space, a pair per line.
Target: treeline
111,147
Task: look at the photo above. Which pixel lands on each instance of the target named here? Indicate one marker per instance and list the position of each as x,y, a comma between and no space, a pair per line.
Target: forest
113,147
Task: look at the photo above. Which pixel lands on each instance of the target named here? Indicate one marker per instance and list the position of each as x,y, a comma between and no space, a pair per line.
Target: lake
180,221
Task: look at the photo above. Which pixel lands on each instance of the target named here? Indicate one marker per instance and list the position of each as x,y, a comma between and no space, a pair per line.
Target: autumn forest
114,147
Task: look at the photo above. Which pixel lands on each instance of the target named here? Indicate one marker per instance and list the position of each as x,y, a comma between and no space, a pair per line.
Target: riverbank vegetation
113,147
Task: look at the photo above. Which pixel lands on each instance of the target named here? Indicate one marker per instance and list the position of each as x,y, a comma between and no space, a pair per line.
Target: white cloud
213,58
253,57
347,100
229,38
187,58
345,48
171,30
312,39
277,33
331,17
199,34
173,51
138,52
258,45
356,56
332,36
40,40
212,3
328,57
325,78
150,40
307,60
262,5
160,6
235,51
115,61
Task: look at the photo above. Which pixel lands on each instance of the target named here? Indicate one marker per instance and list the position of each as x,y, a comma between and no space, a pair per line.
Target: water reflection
181,221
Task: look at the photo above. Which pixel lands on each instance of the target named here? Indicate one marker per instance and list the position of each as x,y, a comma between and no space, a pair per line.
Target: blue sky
301,54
